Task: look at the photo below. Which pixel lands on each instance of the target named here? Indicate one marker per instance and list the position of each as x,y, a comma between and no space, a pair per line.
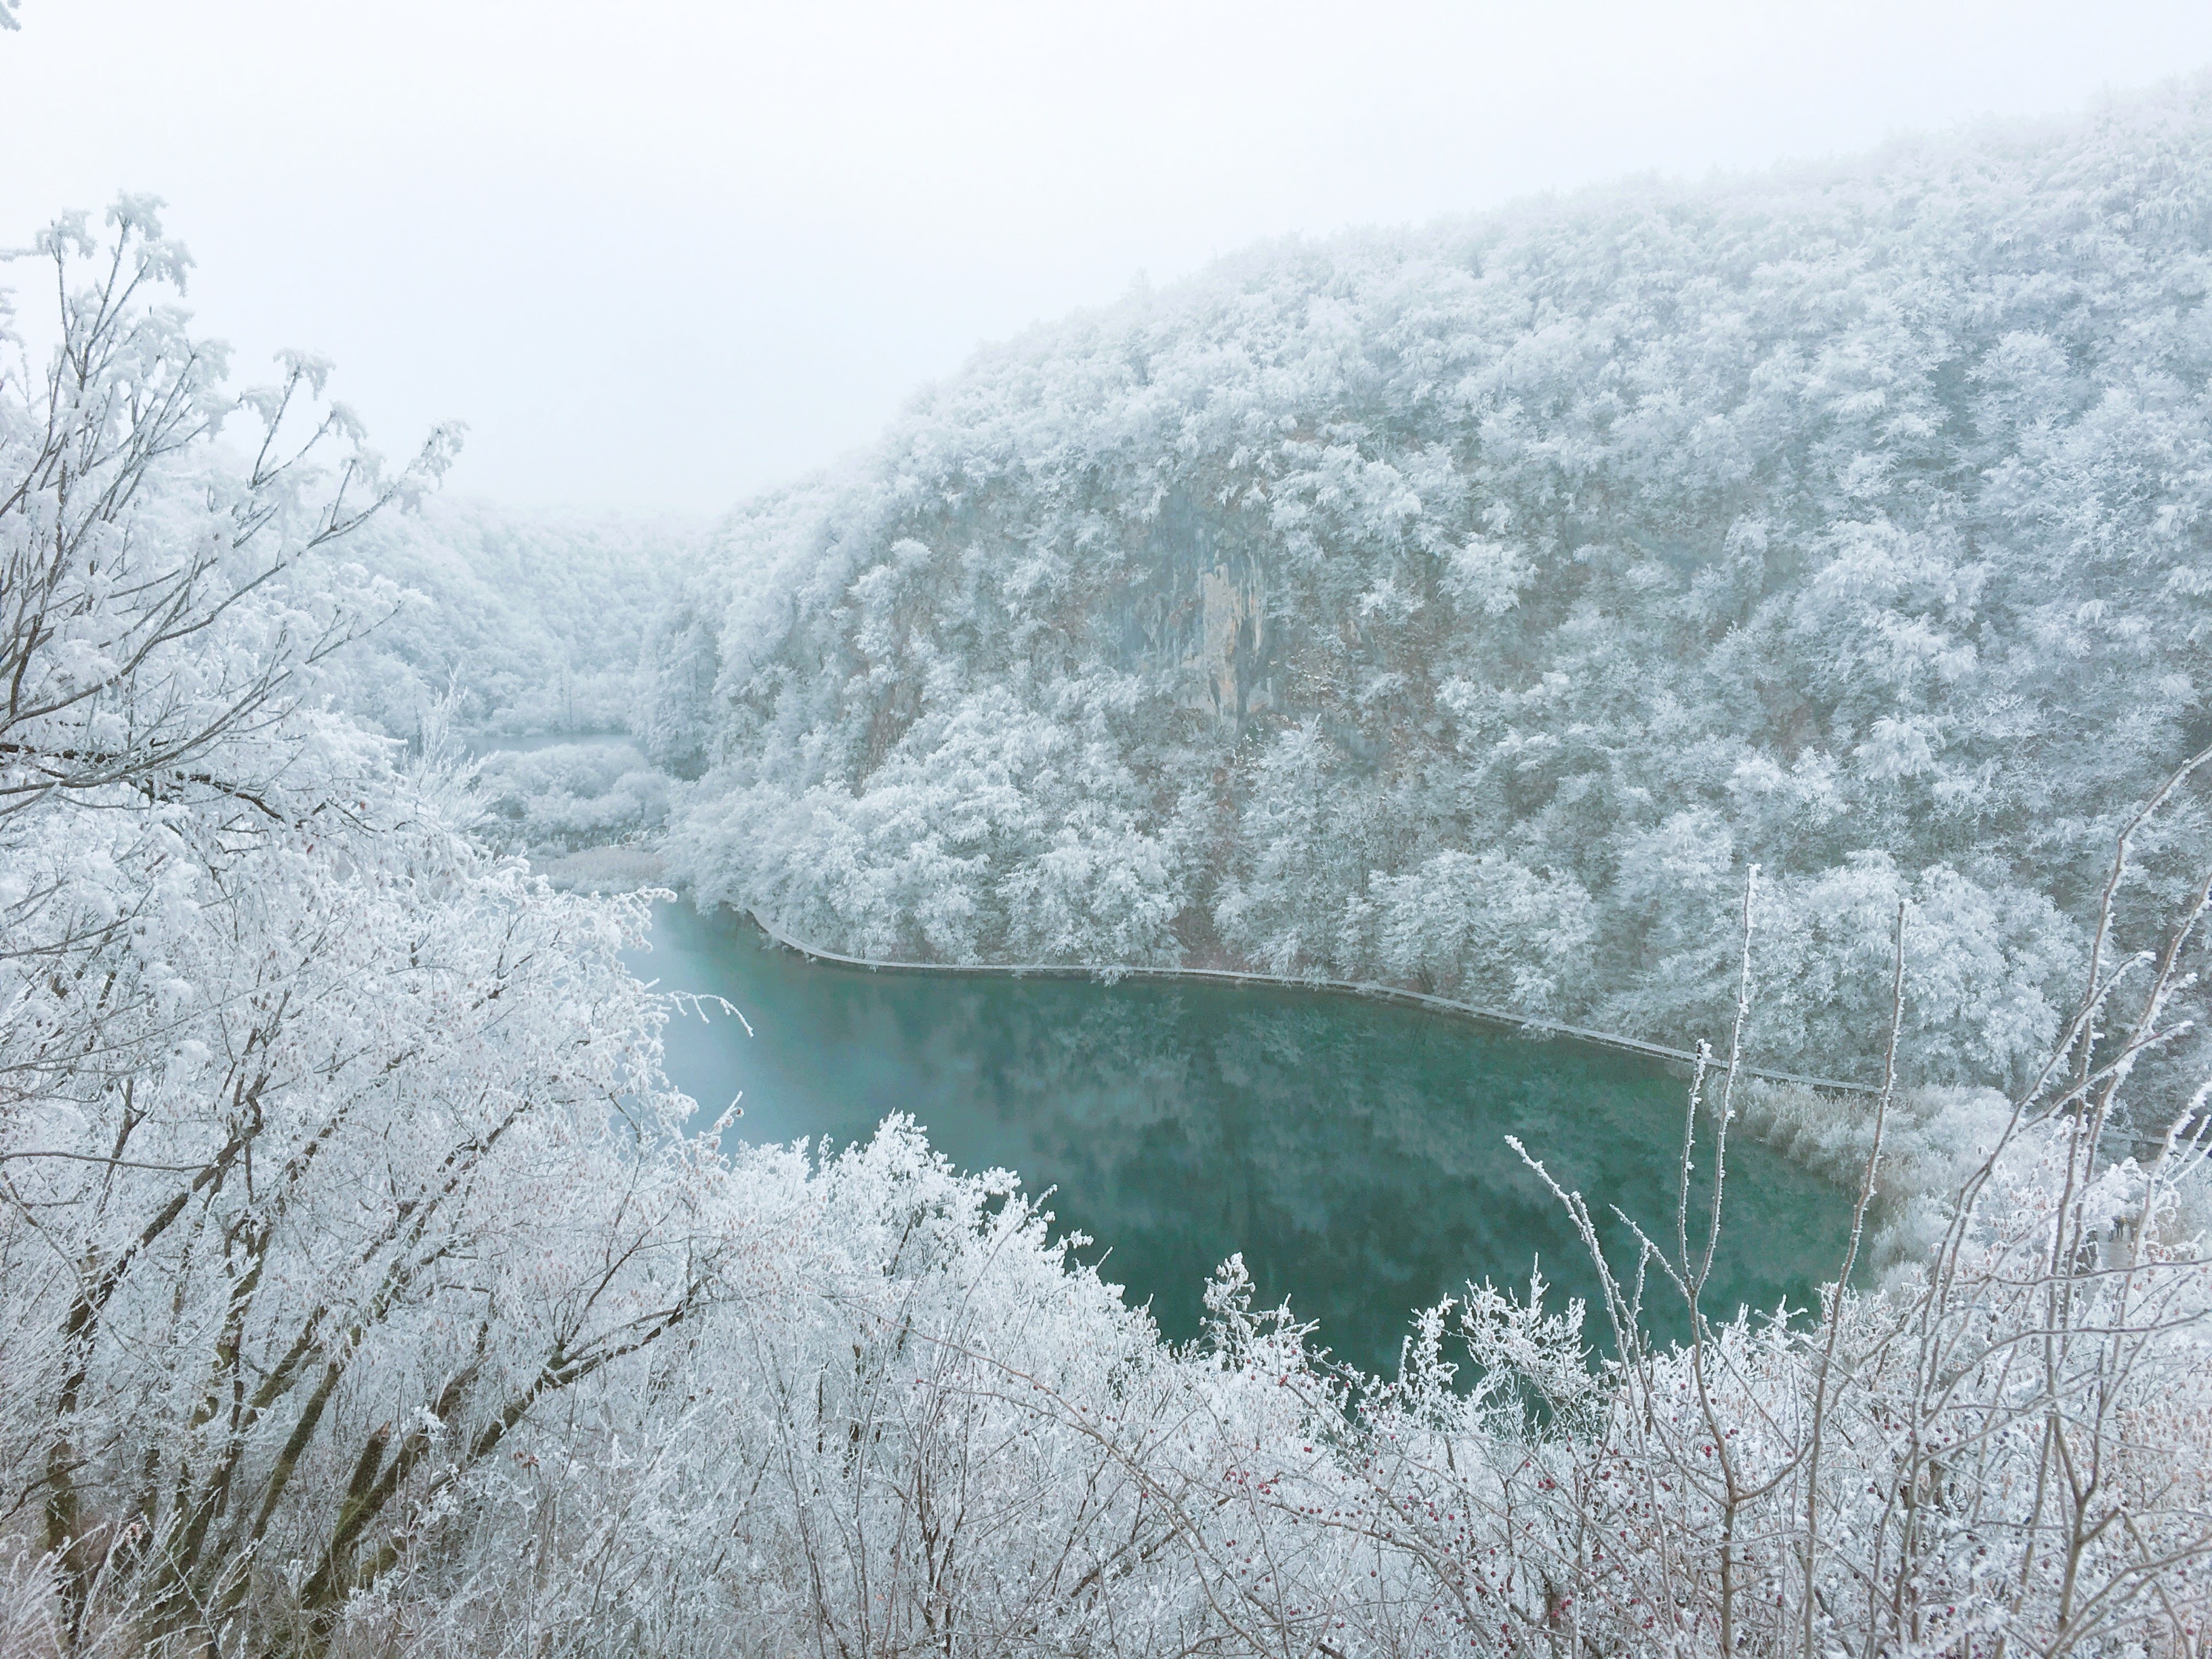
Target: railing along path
1358,988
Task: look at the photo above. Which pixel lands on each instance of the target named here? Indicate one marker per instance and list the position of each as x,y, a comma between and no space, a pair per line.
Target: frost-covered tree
520,622
331,1148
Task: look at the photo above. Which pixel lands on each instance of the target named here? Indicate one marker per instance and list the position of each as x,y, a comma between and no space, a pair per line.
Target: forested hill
525,623
1471,607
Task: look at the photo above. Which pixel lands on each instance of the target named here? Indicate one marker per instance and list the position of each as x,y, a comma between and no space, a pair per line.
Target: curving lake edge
1358,1154
1371,990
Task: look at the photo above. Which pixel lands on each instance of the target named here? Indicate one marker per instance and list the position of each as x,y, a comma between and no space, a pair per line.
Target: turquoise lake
1355,1152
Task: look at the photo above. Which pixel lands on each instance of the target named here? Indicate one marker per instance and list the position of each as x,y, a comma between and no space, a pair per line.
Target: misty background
659,255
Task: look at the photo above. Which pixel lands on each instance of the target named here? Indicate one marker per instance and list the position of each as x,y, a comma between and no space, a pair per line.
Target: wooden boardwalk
1358,987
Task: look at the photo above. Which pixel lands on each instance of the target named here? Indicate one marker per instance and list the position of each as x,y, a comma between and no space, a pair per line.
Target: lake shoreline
1369,990
614,867
1359,1155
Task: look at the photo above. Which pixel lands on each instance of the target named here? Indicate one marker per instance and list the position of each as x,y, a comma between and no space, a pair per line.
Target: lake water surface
1354,1151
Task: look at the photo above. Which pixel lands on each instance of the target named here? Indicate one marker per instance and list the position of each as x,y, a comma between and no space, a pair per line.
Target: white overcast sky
662,254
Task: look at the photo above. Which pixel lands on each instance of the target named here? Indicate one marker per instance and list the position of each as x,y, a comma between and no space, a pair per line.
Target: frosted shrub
1932,1140
1016,839
323,1135
1483,929
572,795
910,1426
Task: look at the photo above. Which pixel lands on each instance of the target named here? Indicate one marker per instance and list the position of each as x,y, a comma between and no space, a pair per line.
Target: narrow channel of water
1353,1151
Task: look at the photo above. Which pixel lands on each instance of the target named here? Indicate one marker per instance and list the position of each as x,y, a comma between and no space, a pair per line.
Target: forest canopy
515,623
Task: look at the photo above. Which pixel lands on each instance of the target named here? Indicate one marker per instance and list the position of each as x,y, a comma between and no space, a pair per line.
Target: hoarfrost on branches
362,1290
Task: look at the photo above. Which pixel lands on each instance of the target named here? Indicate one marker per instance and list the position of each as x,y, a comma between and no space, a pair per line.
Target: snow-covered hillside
1480,605
529,622
1471,606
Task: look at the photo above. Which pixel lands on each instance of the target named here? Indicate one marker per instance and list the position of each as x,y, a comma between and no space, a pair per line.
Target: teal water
1354,1152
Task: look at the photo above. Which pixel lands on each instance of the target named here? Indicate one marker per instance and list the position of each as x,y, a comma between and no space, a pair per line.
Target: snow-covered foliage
285,1055
568,796
360,1293
1470,606
914,1430
905,1425
523,623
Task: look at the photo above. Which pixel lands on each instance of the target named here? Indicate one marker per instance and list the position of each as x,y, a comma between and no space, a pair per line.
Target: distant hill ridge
1468,608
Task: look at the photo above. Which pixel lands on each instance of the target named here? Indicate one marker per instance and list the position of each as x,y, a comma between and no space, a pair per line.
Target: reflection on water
1355,1152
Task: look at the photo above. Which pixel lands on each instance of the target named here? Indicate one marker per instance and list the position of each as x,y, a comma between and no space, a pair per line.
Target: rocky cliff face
1194,613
